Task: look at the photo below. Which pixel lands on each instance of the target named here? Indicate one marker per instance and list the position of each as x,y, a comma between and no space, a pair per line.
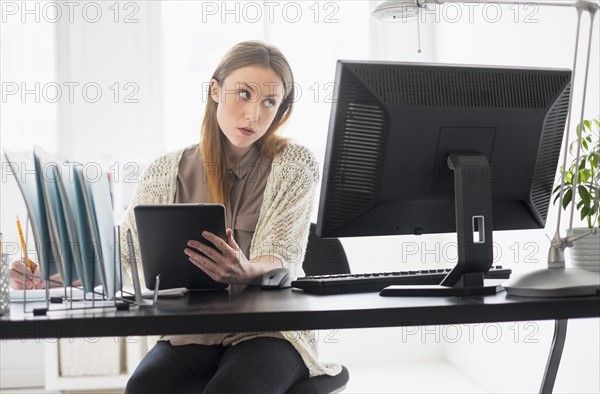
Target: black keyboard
372,282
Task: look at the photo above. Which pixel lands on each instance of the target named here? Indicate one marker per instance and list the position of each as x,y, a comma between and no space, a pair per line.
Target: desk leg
558,343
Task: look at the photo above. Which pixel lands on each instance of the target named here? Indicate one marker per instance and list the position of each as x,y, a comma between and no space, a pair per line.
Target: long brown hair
244,54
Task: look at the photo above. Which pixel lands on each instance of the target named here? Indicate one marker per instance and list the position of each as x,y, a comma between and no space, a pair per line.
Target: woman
267,186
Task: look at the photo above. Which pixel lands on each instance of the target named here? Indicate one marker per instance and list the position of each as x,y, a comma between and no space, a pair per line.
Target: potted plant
585,252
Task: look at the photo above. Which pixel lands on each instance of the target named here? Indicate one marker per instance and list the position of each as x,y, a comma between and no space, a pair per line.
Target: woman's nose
252,111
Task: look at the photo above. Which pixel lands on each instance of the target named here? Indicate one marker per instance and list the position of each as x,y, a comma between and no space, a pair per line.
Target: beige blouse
284,220
247,186
248,180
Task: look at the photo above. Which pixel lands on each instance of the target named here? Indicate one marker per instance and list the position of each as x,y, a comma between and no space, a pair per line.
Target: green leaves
583,173
567,198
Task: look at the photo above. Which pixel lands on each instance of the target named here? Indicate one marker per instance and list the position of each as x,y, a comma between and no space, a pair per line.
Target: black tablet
163,233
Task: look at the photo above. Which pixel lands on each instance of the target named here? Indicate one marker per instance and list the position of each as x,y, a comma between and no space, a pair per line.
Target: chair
323,257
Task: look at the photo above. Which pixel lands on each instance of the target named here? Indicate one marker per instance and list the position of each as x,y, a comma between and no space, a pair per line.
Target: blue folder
22,166
98,205
76,194
66,250
77,226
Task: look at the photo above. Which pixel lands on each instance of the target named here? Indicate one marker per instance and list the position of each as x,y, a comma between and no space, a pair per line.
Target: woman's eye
269,102
245,94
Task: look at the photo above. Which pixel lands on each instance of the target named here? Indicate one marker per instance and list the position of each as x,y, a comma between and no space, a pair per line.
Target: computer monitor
431,148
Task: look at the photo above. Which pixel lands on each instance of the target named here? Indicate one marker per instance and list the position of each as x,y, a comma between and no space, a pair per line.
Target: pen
23,246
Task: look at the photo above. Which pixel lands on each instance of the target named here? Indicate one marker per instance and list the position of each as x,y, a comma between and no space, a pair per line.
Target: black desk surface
252,309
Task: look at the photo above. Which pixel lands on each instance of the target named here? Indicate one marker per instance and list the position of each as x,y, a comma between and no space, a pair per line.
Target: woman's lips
246,131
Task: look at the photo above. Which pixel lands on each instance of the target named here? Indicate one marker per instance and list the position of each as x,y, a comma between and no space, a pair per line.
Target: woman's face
247,102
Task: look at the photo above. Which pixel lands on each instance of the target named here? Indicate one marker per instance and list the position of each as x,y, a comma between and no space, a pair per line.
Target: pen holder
4,286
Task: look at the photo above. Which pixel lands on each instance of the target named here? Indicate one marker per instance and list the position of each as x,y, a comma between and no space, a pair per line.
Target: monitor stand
473,196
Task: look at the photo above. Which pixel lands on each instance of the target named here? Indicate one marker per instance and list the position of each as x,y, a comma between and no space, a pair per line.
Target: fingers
219,242
20,277
221,247
209,262
204,264
20,265
230,241
17,265
226,246
224,263
208,251
34,265
15,279
38,282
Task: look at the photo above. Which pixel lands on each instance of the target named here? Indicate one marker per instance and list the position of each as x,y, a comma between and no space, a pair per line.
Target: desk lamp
557,280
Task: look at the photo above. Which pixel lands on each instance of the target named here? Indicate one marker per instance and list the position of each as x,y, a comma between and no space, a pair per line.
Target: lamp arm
568,122
556,256
588,5
585,85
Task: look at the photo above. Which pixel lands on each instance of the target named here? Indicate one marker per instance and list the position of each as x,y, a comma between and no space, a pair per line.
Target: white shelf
134,350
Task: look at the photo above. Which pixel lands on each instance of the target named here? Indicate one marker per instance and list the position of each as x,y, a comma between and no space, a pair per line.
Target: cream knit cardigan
282,228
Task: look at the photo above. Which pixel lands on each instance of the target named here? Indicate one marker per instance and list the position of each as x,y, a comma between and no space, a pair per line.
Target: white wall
21,363
119,116
511,357
24,121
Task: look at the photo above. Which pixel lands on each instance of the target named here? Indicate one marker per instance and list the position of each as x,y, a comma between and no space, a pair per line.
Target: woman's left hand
225,263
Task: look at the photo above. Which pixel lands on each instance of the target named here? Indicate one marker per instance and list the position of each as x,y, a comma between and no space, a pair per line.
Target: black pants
260,365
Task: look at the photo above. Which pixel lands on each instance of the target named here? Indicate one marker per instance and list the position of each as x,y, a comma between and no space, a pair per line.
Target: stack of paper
68,293
129,292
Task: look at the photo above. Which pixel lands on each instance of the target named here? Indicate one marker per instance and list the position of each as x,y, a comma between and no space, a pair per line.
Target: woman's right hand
32,281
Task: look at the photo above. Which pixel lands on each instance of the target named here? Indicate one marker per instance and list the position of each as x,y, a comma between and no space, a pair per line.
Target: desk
250,309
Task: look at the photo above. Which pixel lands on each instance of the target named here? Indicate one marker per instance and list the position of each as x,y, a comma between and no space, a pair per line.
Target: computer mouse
278,278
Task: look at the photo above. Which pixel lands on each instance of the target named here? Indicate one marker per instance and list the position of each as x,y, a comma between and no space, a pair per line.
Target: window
29,89
312,35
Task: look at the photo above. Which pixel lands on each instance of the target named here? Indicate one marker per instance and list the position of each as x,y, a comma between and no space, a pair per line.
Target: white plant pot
585,253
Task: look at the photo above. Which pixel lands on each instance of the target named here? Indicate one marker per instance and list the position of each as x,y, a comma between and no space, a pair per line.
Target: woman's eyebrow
248,86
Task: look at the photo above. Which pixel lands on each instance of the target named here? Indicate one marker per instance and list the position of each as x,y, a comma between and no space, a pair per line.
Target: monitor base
438,291
554,282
